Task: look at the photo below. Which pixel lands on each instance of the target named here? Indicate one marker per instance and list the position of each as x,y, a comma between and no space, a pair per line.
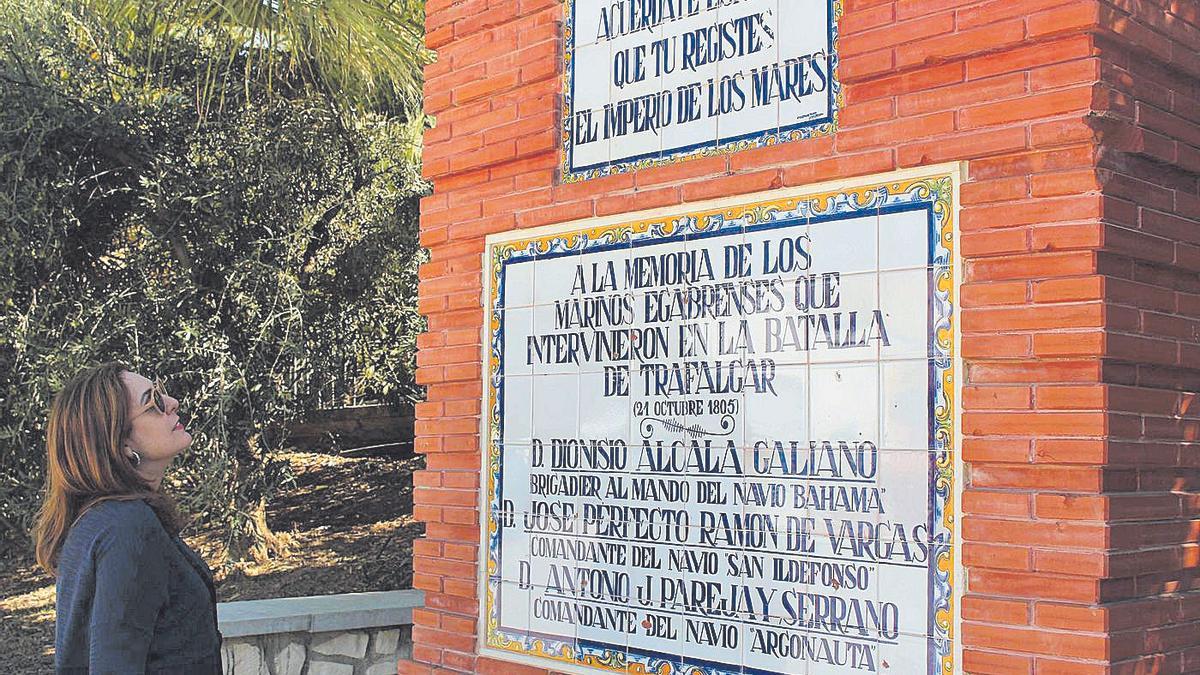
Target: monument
723,437
810,336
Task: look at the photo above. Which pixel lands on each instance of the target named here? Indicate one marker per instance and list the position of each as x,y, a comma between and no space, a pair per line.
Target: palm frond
360,52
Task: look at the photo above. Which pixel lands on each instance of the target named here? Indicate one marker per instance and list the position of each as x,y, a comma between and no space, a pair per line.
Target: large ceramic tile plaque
721,439
649,82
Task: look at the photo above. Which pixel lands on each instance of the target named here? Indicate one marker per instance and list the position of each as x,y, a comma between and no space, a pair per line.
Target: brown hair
85,433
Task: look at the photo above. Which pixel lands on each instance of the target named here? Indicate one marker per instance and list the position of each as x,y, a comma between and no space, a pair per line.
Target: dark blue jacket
132,598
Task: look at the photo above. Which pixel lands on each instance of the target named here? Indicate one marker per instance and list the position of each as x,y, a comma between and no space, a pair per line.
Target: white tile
807,26
804,30
724,432
515,492
514,605
842,307
779,257
587,21
859,654
844,245
712,640
604,586
655,310
908,654
638,135
771,495
655,342
904,483
806,109
750,122
517,407
908,588
782,417
513,540
613,484
549,347
558,636
648,262
693,136
639,405
905,404
597,272
594,154
904,300
704,489
715,338
658,410
556,406
518,325
773,646
558,275
666,641
592,76
812,500
605,269
740,116
844,401
904,239
780,251
783,336
517,284
845,535
700,129
602,416
553,515
590,89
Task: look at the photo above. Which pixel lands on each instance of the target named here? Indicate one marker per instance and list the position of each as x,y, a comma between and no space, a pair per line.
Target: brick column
1080,301
1149,163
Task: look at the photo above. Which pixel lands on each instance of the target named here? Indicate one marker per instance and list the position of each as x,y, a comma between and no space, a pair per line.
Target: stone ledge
318,613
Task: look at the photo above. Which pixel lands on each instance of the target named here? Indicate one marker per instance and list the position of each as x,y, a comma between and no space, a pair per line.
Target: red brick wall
1150,164
1080,299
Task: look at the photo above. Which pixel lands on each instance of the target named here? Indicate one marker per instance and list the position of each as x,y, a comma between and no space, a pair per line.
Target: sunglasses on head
158,399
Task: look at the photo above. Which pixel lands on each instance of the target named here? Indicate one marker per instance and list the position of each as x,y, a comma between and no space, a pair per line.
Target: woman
132,597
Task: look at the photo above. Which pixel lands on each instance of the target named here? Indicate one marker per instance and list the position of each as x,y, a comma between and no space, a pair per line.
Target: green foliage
359,52
261,257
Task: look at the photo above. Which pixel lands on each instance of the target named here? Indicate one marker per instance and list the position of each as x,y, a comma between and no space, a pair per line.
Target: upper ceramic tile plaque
721,440
648,82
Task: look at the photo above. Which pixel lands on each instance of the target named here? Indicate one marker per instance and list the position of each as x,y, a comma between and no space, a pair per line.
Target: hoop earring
136,459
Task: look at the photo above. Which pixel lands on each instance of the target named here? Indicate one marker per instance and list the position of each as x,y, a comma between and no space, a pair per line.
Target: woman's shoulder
127,510
115,530
119,519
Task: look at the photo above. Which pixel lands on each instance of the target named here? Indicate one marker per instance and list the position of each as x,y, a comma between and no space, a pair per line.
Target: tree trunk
252,539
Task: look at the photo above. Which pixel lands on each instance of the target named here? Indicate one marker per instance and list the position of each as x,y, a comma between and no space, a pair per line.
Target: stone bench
348,634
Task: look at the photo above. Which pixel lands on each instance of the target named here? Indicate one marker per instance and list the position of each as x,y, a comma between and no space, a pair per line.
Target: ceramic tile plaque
649,82
721,439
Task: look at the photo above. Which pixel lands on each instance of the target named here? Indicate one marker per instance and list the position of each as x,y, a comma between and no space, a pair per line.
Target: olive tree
254,253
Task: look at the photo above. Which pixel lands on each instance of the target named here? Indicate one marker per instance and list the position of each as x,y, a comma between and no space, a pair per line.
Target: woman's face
154,435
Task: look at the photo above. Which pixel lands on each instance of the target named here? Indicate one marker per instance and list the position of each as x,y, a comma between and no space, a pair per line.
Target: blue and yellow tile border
934,187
